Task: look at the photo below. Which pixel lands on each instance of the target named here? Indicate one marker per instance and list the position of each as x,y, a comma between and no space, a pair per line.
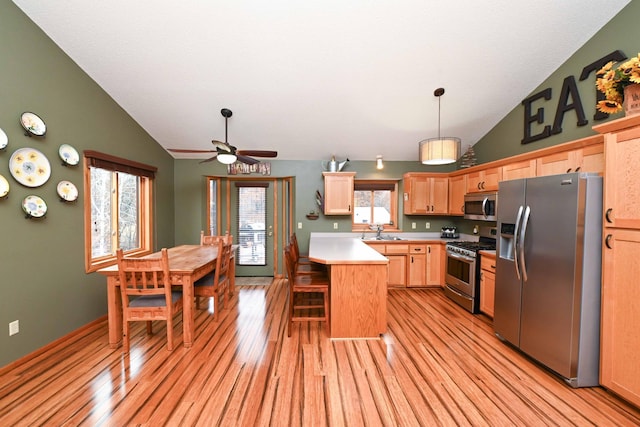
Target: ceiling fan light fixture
440,150
227,158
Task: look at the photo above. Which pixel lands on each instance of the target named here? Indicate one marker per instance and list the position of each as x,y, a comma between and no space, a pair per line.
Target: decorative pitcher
333,165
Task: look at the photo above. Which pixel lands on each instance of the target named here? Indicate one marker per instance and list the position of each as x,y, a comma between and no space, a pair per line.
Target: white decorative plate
4,140
4,186
69,155
29,167
34,206
33,124
67,191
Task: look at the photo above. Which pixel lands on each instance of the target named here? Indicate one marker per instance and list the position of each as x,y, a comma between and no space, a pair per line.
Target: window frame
146,175
393,198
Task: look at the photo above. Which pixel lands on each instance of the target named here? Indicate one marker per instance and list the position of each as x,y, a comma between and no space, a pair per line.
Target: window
375,202
117,208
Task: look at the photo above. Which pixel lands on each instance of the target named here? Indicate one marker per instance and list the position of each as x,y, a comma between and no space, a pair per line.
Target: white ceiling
353,78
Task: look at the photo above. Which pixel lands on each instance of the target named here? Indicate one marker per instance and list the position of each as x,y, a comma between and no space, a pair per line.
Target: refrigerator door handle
523,236
516,243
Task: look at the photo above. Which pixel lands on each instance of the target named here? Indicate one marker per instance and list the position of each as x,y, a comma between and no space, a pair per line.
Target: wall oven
481,206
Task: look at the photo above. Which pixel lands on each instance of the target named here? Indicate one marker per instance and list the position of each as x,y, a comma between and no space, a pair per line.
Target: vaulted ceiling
310,79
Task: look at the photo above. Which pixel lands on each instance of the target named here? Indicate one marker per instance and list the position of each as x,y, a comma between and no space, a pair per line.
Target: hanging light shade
440,150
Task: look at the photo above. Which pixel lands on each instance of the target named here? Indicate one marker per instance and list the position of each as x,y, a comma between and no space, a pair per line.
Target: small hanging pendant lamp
440,150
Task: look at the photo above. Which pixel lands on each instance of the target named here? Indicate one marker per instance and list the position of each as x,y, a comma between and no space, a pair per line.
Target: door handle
607,241
607,215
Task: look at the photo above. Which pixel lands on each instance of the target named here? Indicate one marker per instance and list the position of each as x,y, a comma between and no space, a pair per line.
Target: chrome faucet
378,233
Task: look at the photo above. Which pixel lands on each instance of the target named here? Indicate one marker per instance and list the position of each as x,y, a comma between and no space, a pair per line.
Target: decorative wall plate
33,124
29,167
4,186
34,206
67,191
69,155
4,140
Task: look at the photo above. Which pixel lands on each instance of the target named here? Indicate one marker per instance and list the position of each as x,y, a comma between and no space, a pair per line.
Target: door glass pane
213,208
101,213
128,214
252,217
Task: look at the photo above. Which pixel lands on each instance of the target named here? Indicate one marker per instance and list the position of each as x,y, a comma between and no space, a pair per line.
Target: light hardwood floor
436,365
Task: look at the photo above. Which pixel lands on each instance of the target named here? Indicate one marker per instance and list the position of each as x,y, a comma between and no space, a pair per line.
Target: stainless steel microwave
481,206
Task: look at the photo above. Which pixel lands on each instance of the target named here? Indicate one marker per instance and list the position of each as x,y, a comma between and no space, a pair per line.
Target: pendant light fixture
440,150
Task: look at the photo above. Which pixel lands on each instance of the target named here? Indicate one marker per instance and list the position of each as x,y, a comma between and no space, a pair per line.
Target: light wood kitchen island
358,290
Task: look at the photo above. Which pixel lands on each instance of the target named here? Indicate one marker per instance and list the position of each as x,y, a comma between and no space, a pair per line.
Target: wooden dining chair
146,293
212,240
308,294
216,283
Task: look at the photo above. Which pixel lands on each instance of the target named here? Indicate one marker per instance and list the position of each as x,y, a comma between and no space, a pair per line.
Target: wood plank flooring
436,365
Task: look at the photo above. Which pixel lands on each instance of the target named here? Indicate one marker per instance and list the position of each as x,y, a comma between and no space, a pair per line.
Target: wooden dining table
187,263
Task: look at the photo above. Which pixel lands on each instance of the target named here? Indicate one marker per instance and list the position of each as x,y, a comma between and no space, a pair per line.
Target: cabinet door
591,159
457,189
417,265
621,194
484,180
417,191
557,163
439,196
434,272
487,284
526,169
338,193
397,270
619,367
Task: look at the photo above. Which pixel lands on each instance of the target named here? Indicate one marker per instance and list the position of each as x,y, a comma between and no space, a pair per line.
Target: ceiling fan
226,153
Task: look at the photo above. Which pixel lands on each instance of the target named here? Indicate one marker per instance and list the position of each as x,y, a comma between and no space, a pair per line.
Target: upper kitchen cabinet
586,159
338,193
620,340
457,190
518,170
425,194
484,180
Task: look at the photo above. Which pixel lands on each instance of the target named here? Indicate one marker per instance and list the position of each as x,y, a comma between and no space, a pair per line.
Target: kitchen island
358,290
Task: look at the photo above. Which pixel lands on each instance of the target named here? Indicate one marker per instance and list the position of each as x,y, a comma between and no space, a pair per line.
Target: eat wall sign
569,100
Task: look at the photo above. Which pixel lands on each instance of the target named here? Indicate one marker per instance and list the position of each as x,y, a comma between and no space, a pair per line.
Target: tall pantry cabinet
620,329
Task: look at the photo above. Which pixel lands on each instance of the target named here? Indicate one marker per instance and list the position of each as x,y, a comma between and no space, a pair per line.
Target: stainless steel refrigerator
547,297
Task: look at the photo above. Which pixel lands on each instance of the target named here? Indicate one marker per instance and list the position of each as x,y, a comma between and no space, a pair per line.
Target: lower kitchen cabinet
417,265
413,265
435,266
487,283
620,339
397,271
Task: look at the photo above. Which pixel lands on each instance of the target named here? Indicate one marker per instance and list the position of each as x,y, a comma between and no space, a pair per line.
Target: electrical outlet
427,225
299,226
335,225
14,327
413,225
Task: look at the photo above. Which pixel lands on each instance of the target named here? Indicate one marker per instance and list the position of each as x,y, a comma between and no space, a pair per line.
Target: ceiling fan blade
210,159
181,150
246,159
258,153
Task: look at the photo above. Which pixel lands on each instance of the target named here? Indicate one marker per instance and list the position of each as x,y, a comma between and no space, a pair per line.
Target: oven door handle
516,243
468,260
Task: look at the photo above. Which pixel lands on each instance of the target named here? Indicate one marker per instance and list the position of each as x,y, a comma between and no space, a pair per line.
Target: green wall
43,283
504,140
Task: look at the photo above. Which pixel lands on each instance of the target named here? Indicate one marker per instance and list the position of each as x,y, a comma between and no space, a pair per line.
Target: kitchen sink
384,238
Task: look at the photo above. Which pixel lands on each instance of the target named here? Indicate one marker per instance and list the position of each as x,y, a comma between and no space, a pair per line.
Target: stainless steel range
463,269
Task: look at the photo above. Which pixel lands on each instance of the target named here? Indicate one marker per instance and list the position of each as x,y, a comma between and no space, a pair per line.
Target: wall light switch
335,225
427,225
413,225
299,226
14,327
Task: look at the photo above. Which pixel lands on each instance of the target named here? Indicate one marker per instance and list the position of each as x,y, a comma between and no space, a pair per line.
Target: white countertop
343,250
433,236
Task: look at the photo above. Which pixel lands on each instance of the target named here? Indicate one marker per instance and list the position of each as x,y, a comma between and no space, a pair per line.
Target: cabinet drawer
378,247
397,249
487,263
417,249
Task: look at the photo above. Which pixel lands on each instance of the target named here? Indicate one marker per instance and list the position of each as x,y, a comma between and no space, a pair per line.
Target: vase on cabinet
631,101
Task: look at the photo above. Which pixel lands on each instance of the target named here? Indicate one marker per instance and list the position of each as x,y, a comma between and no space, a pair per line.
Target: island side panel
358,300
